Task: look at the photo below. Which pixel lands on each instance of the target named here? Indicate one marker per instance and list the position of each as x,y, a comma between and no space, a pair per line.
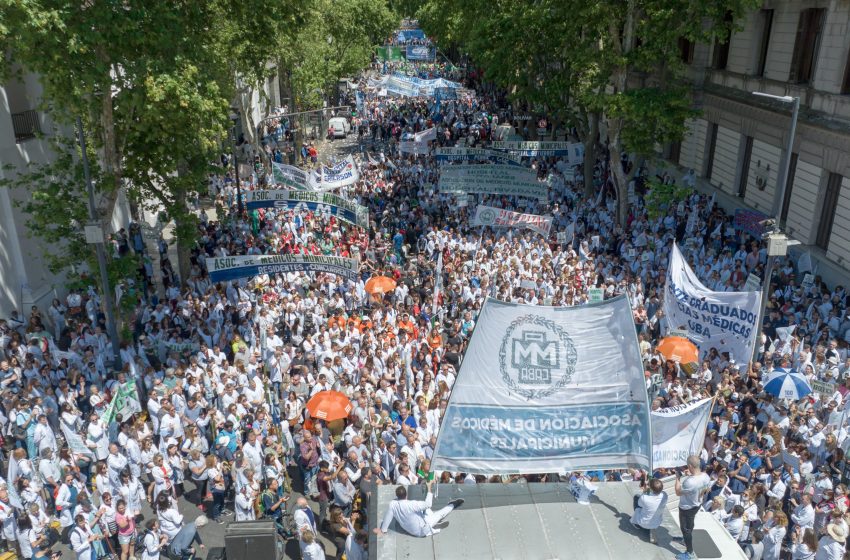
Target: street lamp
782,178
94,236
234,117
777,241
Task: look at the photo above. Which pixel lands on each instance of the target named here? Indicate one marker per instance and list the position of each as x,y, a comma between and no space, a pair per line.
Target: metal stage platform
534,522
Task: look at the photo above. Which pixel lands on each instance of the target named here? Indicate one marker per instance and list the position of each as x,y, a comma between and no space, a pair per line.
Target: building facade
25,279
796,48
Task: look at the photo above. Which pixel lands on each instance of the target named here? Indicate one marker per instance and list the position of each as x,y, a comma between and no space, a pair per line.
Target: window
789,186
745,168
686,50
720,56
806,45
827,213
766,17
712,145
845,85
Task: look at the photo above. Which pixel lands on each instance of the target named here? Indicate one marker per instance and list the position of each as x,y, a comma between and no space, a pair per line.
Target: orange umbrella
679,349
329,405
380,285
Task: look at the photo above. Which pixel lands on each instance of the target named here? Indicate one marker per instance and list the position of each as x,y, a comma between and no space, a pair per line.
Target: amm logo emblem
537,357
487,217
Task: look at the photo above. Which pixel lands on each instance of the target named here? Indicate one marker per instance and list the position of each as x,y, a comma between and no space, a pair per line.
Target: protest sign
420,52
531,398
125,402
320,203
823,388
426,135
723,320
499,218
224,269
495,179
574,151
753,283
595,295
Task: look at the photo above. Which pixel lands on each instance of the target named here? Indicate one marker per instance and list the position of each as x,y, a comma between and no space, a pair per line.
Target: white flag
804,263
438,284
678,432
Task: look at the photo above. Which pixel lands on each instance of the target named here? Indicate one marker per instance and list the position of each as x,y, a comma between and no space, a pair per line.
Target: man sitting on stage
649,508
416,517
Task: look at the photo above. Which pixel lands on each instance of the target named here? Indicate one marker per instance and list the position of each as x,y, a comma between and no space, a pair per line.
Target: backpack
260,507
140,539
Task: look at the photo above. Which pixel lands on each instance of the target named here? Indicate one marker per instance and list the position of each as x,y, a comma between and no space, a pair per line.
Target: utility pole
94,236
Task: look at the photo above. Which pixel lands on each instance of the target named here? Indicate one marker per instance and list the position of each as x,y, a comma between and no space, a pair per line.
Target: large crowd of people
223,372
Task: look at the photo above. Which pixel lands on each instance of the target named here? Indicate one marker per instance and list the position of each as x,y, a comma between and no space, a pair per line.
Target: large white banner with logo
500,218
723,320
678,432
413,147
495,179
444,155
548,389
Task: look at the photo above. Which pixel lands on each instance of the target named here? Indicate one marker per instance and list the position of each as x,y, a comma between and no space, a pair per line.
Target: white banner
678,432
723,320
342,174
413,147
324,204
426,135
444,155
499,218
75,442
499,179
290,176
548,389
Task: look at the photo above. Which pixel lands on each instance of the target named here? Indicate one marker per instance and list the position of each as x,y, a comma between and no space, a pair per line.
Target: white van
341,127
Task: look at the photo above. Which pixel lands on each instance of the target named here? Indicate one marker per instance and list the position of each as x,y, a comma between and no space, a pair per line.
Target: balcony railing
26,125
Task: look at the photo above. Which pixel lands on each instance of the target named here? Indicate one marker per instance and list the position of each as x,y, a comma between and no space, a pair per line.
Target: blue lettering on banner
228,274
567,431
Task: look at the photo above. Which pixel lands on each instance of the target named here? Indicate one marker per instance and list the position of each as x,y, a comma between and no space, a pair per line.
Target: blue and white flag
678,432
548,389
726,321
224,269
322,203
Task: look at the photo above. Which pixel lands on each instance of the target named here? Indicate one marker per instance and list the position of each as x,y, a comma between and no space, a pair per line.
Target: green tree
614,65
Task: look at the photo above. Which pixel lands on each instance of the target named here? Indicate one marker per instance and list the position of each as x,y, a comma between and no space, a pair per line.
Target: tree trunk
591,151
621,184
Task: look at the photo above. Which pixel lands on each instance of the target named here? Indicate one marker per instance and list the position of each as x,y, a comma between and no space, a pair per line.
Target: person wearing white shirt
416,517
735,523
153,541
803,515
43,436
649,508
311,550
82,538
244,502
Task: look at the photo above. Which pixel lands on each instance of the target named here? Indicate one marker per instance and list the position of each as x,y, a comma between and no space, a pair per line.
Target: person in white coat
43,436
153,541
244,502
311,549
82,538
97,438
649,508
416,517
